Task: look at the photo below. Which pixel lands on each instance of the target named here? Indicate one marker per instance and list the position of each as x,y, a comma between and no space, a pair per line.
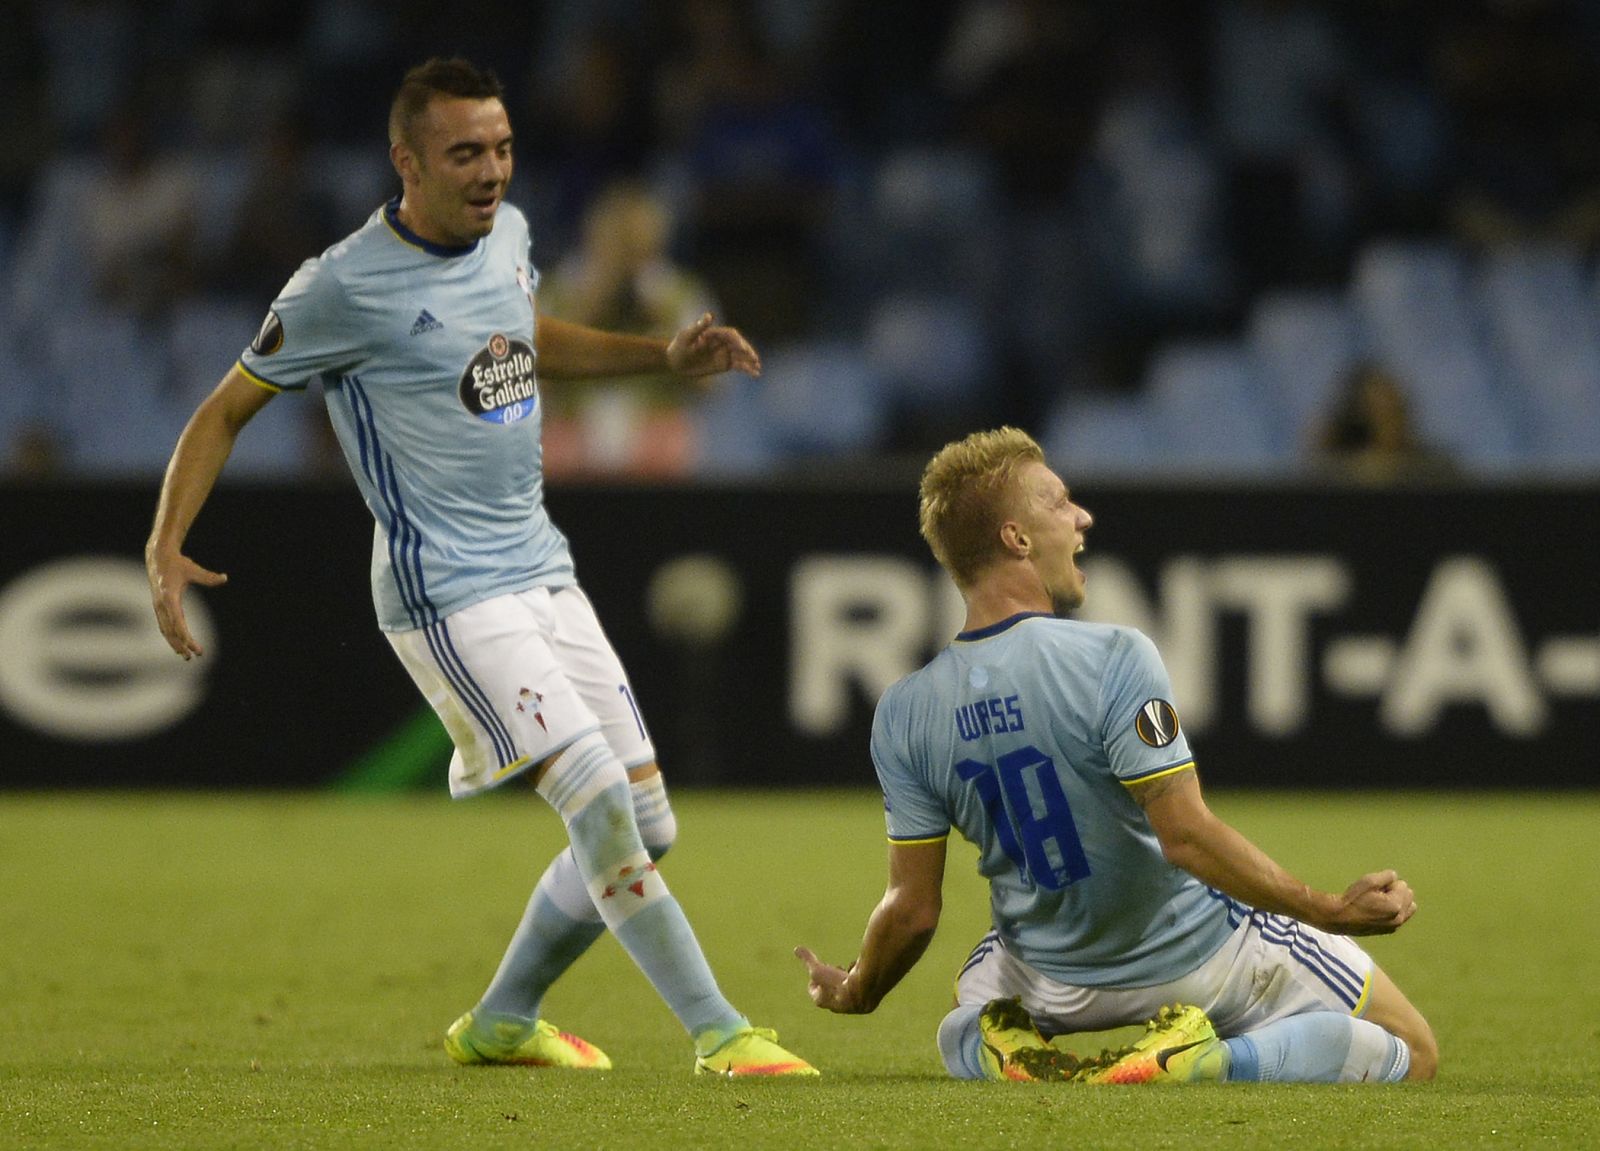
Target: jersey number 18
1028,836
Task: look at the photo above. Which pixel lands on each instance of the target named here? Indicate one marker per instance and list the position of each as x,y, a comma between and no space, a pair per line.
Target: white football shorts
516,678
1271,967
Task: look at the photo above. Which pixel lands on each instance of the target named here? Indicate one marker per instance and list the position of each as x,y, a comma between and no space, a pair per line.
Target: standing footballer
423,328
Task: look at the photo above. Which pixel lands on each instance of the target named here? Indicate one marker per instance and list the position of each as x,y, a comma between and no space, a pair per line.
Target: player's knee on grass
1424,1053
1391,1010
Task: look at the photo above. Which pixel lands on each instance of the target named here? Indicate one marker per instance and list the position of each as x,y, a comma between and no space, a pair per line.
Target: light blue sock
590,789
560,922
960,1041
1320,1047
547,942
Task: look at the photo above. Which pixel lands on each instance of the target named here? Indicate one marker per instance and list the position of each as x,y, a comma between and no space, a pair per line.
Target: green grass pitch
277,972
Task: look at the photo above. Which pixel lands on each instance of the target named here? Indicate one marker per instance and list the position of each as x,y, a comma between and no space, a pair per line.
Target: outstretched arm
1193,838
898,932
569,351
202,449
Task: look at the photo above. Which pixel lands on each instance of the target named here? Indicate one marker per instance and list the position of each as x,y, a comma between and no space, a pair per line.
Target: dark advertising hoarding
1316,637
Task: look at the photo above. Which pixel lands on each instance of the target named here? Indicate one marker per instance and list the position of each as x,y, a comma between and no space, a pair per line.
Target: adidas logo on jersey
425,323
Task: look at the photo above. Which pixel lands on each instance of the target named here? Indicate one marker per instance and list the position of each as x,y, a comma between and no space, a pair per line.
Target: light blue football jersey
1024,737
426,354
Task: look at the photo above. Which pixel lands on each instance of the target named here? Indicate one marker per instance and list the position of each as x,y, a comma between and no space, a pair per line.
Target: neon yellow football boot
749,1053
507,1042
1179,1046
1013,1048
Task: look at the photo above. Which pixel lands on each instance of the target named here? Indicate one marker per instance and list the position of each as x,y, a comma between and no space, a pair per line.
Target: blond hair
965,495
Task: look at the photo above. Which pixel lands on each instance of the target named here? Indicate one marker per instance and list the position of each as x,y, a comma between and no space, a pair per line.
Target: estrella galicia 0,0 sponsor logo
499,384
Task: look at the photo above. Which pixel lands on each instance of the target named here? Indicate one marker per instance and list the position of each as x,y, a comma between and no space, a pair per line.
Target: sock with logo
589,788
561,921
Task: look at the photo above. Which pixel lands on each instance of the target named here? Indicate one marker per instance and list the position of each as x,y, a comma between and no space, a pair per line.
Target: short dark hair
433,79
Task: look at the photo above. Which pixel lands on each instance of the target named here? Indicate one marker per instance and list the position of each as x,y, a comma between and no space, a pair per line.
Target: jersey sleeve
1139,720
308,332
911,811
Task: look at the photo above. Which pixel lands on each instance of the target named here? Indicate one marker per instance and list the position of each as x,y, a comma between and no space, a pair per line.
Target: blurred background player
422,327
1054,747
622,279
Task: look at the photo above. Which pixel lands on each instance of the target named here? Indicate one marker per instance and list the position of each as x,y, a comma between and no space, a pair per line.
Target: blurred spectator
138,211
1161,195
1370,436
351,47
282,219
1397,116
494,34
90,58
886,98
243,70
25,130
622,280
1026,77
1519,81
35,452
1280,78
588,120
1070,184
760,166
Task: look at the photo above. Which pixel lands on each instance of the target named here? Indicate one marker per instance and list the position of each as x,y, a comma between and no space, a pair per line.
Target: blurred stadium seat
1304,343
932,217
1049,299
1542,327
732,433
1416,302
356,178
823,398
278,442
206,336
1103,435
928,190
1211,411
22,393
49,264
930,350
221,186
121,422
